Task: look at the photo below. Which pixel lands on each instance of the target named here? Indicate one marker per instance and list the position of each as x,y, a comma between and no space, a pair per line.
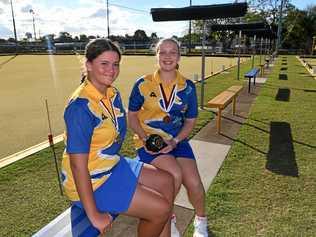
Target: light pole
13,21
32,13
107,17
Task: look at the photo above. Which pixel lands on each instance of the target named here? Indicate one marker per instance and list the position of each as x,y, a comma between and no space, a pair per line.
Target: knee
177,176
167,186
165,211
195,186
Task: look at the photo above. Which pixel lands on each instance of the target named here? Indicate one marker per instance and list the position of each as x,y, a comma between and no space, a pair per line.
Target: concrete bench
71,223
252,74
222,100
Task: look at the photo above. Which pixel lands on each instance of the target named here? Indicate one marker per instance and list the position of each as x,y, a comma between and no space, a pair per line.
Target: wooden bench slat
222,100
235,89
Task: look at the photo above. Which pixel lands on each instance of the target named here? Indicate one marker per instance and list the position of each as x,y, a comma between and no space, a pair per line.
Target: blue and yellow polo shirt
147,98
92,129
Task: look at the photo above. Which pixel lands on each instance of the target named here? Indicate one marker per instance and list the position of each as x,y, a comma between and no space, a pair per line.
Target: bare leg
192,182
170,164
152,201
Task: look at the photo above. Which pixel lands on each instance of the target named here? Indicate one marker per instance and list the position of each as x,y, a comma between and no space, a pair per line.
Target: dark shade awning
265,33
202,12
237,27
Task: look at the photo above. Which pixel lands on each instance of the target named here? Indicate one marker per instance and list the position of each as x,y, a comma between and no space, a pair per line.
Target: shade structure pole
253,51
279,33
261,42
190,39
107,17
238,61
203,64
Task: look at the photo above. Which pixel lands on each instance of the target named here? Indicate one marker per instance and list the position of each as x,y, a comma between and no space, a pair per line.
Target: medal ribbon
111,113
168,102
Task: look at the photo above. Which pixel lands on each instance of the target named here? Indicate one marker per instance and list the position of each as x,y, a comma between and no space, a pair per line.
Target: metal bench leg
234,105
219,117
249,82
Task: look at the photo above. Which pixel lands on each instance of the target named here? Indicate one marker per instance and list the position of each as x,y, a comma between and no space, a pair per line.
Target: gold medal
166,119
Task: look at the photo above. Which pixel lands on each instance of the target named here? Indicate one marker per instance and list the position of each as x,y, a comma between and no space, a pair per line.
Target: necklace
110,111
167,102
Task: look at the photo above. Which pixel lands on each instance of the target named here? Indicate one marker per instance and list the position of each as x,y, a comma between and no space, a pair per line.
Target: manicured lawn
267,184
28,80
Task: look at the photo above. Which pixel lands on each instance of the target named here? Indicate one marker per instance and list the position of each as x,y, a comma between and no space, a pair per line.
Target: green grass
247,198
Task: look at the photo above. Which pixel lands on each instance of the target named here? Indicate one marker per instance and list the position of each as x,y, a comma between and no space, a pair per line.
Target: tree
269,9
153,36
64,37
83,38
11,40
140,35
299,29
28,35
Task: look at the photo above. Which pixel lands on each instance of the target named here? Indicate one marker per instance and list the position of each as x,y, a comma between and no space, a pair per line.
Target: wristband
176,140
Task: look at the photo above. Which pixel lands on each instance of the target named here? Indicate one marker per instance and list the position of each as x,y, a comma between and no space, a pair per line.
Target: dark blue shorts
116,194
183,149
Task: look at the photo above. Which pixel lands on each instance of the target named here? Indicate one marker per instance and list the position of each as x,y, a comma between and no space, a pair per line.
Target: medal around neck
155,143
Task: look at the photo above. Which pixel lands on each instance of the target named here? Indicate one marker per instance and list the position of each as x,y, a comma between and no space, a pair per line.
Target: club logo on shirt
184,109
104,117
152,94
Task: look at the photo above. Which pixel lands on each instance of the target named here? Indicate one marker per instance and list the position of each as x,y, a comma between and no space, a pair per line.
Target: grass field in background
267,184
27,80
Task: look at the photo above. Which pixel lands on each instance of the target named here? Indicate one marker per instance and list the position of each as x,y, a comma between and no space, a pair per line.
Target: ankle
201,218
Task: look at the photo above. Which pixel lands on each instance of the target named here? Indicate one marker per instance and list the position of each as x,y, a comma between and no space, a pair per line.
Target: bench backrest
252,73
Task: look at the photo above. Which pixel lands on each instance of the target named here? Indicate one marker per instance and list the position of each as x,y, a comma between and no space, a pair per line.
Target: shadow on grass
7,61
281,155
283,76
307,90
275,86
262,130
283,94
283,68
